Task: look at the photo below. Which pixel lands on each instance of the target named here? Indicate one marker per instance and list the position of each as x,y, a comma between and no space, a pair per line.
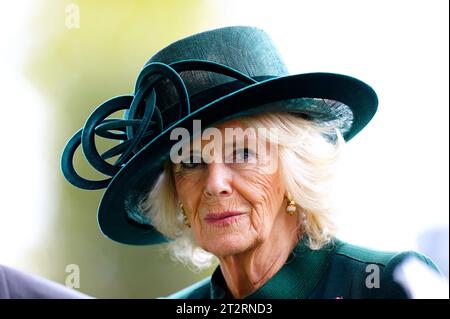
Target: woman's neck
245,273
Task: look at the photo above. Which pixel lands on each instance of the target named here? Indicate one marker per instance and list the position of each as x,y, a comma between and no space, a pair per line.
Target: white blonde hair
308,154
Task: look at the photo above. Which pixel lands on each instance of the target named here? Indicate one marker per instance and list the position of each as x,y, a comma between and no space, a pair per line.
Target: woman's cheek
189,192
260,192
185,181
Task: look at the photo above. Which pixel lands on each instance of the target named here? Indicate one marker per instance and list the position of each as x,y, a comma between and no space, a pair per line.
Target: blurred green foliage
75,69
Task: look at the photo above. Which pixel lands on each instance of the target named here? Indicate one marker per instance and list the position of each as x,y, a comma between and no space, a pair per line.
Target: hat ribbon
137,124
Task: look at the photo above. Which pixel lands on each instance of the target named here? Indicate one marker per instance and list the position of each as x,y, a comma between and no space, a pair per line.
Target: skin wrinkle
252,248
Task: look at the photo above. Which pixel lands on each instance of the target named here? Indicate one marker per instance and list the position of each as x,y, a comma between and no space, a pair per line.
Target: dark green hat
211,76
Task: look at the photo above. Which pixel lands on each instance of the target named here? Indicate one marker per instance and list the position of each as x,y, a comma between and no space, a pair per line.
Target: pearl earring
185,219
291,207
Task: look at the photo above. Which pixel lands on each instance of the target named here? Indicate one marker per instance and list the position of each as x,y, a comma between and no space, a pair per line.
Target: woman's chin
227,245
227,239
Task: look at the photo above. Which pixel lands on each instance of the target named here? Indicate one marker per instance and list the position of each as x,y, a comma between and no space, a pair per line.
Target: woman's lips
222,218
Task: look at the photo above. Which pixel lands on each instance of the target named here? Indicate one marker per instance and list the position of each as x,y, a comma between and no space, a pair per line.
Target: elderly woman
226,157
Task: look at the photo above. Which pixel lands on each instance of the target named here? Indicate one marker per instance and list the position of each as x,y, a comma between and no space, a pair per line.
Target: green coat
338,270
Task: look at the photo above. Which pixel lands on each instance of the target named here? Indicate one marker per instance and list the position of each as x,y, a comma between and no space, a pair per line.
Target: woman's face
235,196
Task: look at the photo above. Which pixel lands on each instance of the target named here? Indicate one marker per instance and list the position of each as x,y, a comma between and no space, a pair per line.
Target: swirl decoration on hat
135,126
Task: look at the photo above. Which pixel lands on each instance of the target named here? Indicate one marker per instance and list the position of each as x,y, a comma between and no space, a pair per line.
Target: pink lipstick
223,218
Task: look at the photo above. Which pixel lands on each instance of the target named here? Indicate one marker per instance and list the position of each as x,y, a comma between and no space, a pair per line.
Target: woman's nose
218,181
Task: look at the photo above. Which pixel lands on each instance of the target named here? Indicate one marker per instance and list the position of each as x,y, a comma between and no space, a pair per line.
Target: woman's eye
191,163
243,154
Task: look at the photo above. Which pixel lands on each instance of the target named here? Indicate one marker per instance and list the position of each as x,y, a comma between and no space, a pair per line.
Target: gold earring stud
291,207
185,219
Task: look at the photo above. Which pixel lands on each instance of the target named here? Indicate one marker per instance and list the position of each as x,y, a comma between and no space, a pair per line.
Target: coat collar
295,280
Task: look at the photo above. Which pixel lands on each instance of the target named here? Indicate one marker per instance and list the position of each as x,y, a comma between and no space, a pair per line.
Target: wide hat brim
133,182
